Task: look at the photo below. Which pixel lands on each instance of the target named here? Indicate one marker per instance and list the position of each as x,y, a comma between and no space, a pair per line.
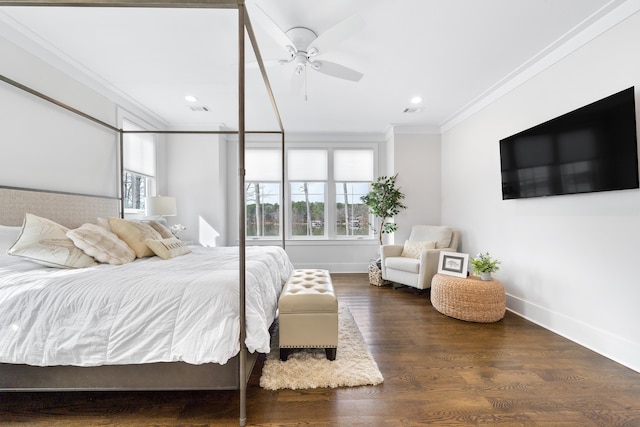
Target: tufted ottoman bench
308,313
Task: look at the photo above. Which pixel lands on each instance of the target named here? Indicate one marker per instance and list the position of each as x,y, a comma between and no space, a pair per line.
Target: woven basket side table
470,299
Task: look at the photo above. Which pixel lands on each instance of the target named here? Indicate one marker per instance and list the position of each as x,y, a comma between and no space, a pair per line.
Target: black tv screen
593,148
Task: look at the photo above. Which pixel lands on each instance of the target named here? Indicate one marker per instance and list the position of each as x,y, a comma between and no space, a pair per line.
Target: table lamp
161,206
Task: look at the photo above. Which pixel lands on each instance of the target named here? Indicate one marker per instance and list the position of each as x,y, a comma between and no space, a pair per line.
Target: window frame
149,185
330,207
129,124
246,210
291,236
268,147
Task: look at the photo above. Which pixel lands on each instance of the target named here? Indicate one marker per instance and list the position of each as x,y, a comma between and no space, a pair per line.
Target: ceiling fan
304,46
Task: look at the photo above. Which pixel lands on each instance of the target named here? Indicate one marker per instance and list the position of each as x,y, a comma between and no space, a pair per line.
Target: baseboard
355,267
611,346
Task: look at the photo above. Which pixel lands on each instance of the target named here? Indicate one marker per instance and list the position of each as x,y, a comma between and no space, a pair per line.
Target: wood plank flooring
438,371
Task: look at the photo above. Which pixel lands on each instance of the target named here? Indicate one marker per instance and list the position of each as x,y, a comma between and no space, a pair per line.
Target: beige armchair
416,262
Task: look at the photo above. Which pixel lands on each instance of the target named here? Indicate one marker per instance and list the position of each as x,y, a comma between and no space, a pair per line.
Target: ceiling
451,53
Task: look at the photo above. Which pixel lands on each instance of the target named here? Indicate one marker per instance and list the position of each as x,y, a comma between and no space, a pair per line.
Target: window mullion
329,208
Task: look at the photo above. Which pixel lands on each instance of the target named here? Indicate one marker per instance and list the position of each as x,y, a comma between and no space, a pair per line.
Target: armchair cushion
441,235
413,248
412,265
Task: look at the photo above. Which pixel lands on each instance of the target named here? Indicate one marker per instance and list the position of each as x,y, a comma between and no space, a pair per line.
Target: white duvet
151,310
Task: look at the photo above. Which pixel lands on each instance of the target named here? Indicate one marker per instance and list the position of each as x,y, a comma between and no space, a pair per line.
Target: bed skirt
153,376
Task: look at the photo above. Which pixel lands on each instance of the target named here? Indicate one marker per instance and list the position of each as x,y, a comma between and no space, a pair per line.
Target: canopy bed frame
75,209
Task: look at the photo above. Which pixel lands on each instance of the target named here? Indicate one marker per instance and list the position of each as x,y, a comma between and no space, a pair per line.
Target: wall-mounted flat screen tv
594,148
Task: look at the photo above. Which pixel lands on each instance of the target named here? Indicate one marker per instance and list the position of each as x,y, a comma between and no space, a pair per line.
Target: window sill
312,242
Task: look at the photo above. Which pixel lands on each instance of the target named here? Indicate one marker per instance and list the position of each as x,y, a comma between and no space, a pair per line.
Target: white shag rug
309,368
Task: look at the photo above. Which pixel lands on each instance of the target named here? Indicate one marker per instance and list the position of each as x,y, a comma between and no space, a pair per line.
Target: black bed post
241,224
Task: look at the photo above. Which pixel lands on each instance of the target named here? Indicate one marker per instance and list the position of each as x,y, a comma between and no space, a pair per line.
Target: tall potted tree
384,201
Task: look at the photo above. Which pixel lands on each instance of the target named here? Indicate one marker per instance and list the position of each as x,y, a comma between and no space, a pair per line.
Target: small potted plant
483,265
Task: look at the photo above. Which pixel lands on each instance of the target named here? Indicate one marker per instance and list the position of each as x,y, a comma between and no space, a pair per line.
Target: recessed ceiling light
190,98
416,100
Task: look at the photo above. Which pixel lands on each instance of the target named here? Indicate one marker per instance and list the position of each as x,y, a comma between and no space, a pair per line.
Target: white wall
416,160
569,262
46,147
197,177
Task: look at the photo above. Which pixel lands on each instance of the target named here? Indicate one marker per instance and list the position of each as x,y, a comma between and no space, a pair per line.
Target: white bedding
151,310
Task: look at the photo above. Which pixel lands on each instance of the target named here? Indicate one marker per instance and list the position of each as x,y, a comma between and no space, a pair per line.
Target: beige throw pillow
101,244
164,232
135,235
45,242
413,248
168,248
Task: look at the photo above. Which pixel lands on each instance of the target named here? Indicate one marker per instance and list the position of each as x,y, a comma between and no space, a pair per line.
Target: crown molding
604,19
49,54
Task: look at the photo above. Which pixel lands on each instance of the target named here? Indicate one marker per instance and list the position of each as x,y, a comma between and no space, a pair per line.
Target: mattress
151,310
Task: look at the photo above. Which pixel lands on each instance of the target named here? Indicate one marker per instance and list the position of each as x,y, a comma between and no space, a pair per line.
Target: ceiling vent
413,110
201,108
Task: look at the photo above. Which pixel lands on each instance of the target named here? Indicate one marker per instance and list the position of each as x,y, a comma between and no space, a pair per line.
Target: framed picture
453,264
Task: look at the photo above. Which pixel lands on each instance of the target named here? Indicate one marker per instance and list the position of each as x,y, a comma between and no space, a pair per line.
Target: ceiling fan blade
274,31
337,70
336,34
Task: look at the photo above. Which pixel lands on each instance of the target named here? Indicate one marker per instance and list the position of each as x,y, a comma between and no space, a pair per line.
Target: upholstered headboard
70,210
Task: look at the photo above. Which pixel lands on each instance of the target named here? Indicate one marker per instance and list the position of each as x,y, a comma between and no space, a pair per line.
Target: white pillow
45,242
8,236
101,244
135,235
168,248
413,248
104,223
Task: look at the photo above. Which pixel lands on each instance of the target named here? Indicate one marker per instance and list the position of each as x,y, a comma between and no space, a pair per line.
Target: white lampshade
161,206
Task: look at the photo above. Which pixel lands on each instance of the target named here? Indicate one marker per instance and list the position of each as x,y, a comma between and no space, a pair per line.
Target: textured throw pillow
413,248
101,244
45,242
135,235
168,248
164,232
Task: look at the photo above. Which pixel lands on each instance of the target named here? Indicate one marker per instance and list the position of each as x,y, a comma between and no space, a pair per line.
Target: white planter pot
485,276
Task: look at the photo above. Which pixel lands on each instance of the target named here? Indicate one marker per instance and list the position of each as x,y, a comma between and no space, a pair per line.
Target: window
323,191
135,191
352,216
262,193
139,156
352,173
307,208
307,174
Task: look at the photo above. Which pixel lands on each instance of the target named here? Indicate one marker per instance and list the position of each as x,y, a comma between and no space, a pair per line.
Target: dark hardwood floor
438,371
